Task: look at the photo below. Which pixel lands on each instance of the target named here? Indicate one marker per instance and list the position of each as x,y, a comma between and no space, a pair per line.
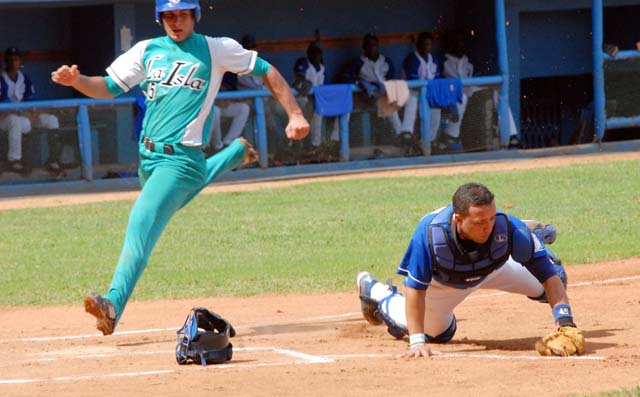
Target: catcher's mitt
566,341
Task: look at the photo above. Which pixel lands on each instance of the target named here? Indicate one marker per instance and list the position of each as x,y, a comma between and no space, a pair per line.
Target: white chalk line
52,357
85,377
570,285
305,359
474,356
308,319
153,330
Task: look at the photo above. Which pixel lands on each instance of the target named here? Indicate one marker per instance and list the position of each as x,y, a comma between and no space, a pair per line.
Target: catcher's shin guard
368,305
545,232
396,330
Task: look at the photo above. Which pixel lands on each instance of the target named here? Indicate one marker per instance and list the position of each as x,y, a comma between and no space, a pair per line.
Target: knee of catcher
561,272
396,330
447,335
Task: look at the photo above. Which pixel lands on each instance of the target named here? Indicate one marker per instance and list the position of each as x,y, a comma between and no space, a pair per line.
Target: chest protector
459,268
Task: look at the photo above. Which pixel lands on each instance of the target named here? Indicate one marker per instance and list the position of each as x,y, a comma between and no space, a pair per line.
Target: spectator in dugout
309,72
273,111
420,64
369,72
457,65
16,86
237,111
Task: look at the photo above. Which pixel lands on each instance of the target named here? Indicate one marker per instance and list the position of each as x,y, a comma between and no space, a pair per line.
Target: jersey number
151,91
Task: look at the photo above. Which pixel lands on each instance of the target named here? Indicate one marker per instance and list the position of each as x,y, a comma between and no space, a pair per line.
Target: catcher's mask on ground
204,338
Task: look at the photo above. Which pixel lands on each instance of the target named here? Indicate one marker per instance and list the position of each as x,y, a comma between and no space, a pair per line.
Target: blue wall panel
555,43
17,29
299,19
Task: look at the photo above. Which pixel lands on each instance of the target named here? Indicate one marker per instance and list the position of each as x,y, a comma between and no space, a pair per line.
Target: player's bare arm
298,127
555,291
91,86
415,304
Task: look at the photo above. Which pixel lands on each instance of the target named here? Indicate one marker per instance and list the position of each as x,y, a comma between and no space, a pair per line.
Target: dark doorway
93,38
551,108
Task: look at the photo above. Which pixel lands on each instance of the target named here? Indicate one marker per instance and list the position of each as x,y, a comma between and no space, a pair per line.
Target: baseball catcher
204,338
460,248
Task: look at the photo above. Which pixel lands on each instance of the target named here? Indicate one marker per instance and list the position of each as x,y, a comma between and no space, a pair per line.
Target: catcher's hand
420,351
566,341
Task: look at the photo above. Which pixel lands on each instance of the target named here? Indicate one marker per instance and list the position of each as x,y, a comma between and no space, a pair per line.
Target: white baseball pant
411,111
441,300
239,113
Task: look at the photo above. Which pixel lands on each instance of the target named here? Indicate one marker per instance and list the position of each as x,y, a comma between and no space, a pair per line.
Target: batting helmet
174,5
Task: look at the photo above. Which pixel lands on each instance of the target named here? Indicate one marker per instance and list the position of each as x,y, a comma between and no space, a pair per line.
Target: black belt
157,147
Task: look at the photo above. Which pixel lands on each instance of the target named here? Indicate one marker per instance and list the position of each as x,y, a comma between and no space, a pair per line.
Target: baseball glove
566,341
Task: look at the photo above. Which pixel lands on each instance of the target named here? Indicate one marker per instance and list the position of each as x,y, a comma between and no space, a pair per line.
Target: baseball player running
180,74
459,249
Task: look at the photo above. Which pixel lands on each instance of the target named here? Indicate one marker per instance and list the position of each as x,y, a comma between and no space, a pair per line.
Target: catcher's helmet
204,338
174,5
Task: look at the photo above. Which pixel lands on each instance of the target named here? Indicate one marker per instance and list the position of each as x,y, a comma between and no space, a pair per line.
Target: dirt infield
320,345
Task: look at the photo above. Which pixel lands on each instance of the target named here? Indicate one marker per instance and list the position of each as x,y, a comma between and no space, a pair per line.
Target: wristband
561,310
417,339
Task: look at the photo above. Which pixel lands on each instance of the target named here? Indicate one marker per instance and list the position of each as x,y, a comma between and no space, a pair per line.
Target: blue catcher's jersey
434,253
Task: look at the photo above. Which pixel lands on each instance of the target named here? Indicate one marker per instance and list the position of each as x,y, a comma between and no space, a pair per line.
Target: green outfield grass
633,392
307,238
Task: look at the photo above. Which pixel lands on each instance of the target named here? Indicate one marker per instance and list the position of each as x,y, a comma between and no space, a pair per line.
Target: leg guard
447,335
394,329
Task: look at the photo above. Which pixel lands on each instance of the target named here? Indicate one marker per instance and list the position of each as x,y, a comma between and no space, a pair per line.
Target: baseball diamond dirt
291,345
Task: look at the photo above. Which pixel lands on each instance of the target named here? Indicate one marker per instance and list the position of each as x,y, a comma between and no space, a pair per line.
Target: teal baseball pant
169,182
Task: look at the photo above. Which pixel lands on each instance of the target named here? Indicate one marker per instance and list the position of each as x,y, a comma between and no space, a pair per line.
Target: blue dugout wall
521,50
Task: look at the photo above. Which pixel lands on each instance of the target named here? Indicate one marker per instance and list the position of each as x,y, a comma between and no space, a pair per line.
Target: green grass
307,238
634,392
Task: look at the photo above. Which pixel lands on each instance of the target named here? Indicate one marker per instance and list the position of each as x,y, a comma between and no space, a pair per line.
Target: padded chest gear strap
455,266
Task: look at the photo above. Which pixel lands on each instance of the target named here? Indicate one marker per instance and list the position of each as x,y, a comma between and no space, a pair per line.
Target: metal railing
84,123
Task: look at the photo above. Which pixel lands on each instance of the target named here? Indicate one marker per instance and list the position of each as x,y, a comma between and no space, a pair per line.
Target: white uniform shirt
457,67
374,71
16,89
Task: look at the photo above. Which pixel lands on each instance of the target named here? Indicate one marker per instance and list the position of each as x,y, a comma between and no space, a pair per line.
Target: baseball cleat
368,305
250,154
102,310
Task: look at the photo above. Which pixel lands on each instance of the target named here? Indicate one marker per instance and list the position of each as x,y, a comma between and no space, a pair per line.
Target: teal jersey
180,81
